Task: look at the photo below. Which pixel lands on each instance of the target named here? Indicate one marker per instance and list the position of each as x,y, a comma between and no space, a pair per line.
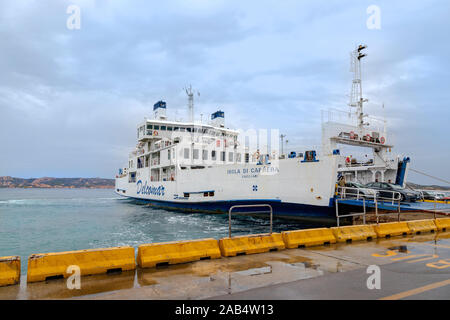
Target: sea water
52,220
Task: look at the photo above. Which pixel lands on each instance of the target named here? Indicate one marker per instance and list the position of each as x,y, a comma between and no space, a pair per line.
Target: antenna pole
282,136
190,94
356,96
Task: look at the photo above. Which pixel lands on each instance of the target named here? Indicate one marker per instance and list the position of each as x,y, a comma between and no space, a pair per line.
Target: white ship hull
293,188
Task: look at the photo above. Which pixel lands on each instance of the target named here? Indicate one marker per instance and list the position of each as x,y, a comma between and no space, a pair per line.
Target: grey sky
70,100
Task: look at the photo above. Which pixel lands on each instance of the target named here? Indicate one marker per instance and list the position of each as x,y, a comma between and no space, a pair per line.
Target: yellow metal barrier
153,254
443,224
308,237
354,233
392,229
438,201
9,270
249,244
46,266
420,226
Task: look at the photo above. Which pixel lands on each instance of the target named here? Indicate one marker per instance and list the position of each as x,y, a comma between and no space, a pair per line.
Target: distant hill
47,182
428,187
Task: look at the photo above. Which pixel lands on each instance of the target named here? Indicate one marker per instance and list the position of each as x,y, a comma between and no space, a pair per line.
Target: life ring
155,133
352,135
347,159
382,140
172,177
367,137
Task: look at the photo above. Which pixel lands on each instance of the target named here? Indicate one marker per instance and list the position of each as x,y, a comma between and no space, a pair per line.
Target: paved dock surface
413,267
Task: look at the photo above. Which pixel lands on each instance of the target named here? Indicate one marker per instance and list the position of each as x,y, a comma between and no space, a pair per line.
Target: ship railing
251,212
366,194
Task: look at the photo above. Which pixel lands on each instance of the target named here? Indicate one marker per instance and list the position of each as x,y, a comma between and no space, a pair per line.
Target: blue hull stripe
280,209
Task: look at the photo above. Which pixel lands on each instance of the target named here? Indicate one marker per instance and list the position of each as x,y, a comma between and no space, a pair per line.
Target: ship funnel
159,110
218,119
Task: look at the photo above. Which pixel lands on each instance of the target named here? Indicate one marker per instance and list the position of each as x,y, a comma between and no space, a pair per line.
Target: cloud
70,100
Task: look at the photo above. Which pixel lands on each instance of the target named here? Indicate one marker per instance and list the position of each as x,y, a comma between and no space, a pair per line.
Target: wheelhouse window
156,127
163,127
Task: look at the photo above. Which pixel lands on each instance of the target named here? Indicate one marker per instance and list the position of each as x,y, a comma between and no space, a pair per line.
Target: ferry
208,167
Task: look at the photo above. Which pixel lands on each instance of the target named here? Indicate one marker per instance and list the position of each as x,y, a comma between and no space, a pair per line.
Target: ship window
138,133
247,157
196,130
182,129
238,157
168,154
163,127
205,194
213,155
156,127
169,128
205,154
186,153
149,126
195,154
211,193
222,156
186,195
230,156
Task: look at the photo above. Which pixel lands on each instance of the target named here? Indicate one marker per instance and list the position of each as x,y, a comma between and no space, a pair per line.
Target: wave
48,201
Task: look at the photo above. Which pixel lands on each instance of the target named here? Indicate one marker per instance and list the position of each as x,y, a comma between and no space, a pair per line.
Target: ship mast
190,94
356,97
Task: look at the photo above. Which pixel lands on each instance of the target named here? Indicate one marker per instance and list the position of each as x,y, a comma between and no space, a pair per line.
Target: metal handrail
363,214
370,194
249,206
